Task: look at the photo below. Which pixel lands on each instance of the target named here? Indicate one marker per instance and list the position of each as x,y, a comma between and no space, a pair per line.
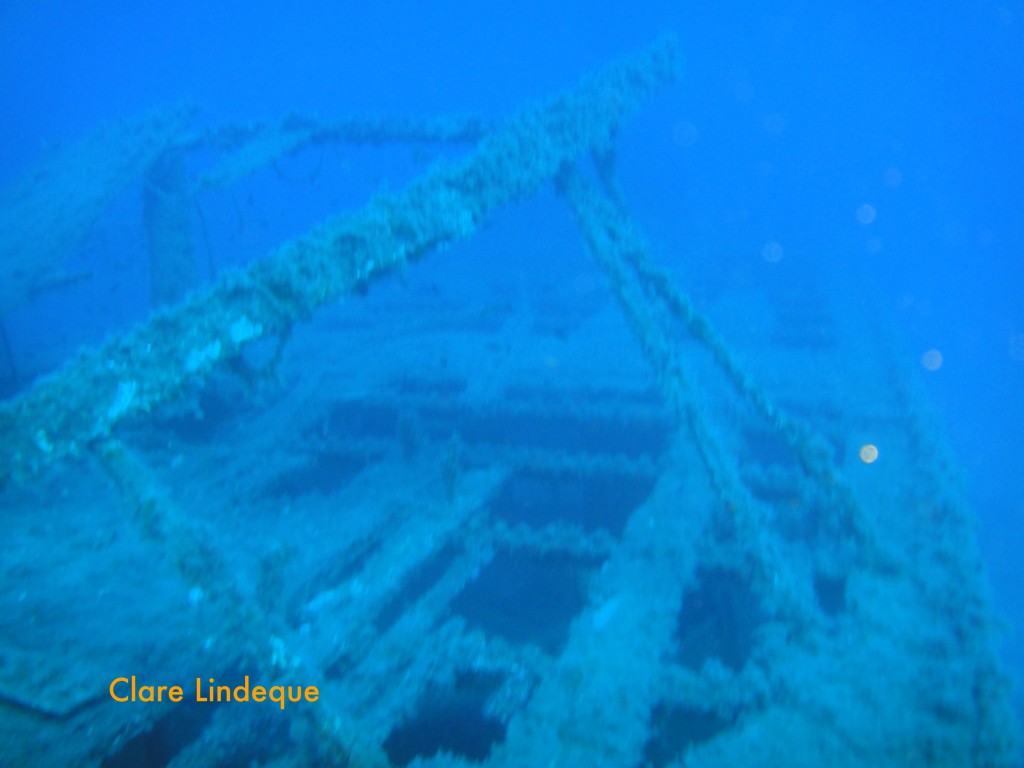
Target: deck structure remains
534,553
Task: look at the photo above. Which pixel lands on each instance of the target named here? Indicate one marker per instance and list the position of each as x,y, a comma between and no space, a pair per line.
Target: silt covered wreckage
531,554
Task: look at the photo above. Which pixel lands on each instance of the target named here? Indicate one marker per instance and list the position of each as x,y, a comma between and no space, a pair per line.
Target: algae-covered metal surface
132,374
52,208
548,531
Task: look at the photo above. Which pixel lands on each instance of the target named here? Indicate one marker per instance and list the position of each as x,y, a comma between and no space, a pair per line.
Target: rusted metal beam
132,373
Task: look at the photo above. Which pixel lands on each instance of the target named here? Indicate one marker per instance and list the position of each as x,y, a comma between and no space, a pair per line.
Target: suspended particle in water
931,360
1017,347
772,252
866,214
743,89
868,453
892,177
773,123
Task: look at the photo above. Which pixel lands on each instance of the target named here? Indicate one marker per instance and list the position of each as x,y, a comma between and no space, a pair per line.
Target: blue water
881,140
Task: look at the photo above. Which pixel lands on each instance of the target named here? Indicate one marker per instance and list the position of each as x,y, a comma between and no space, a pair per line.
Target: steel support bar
132,373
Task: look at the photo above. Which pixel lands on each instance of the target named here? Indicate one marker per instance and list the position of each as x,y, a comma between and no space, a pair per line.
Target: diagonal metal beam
130,374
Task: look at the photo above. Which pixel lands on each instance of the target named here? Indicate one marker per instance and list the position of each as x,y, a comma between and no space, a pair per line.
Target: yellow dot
932,360
868,453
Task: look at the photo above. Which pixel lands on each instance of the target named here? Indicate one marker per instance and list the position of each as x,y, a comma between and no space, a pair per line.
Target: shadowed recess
718,619
525,598
552,431
831,593
416,586
675,729
325,472
452,720
540,498
158,746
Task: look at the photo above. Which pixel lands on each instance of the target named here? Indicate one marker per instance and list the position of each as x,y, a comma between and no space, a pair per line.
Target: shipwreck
483,538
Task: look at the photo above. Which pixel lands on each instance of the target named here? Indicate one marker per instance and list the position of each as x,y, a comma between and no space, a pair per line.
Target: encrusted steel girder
130,374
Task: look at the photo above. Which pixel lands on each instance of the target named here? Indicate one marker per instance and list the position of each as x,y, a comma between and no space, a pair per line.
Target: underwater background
871,147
